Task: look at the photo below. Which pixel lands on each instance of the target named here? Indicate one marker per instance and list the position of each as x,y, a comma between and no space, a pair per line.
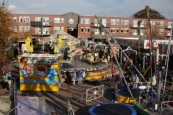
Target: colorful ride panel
39,72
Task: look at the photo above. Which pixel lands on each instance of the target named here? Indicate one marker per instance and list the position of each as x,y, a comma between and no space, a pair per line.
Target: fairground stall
39,72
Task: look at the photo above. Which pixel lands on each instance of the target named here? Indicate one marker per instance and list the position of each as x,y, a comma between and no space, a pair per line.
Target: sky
113,8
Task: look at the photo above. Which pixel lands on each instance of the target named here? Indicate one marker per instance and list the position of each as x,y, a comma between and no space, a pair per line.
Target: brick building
43,25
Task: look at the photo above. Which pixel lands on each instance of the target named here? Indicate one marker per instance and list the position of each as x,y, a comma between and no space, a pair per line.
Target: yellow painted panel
122,99
38,87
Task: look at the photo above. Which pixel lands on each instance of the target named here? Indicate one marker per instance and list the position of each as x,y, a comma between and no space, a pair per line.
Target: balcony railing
168,27
39,24
142,26
41,34
136,34
167,34
97,25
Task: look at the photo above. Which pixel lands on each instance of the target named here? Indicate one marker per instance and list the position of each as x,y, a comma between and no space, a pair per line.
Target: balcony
92,33
168,27
167,34
136,34
135,26
39,34
96,25
41,24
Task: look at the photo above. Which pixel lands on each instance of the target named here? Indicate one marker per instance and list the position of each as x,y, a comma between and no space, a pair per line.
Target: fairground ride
160,96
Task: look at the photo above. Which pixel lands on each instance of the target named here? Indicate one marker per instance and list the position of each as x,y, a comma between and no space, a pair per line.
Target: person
79,77
9,79
83,76
74,77
136,80
113,92
4,83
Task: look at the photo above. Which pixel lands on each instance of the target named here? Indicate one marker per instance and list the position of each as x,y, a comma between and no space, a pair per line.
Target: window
81,21
45,30
45,19
122,22
169,23
117,29
126,30
87,29
121,29
62,20
26,19
62,28
96,21
56,20
20,28
117,21
26,28
126,22
56,29
37,30
135,22
158,23
15,29
87,21
161,31
82,29
161,23
20,19
104,21
113,22
135,31
154,23
14,19
113,30
37,18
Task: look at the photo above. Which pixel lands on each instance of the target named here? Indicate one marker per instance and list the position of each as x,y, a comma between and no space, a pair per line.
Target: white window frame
87,21
62,20
57,20
15,28
126,30
56,29
161,23
26,28
62,28
126,22
14,19
82,29
112,30
113,22
161,31
82,21
20,28
20,19
25,19
87,29
38,19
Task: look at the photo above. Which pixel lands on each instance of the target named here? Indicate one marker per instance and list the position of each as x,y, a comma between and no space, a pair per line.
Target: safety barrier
70,109
94,93
165,102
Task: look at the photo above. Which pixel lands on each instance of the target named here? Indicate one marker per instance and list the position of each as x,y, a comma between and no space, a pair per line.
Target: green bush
10,54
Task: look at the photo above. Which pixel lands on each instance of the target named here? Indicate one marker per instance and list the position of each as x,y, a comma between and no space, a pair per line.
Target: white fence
70,109
94,93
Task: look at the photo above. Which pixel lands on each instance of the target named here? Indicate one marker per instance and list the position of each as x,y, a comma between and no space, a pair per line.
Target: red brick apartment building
43,25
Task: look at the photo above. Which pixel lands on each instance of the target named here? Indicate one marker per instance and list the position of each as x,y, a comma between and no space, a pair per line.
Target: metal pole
115,57
168,53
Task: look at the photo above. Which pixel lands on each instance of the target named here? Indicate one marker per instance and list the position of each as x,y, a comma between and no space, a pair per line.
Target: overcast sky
118,8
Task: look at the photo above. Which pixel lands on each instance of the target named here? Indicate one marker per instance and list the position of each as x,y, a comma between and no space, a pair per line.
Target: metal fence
94,93
70,109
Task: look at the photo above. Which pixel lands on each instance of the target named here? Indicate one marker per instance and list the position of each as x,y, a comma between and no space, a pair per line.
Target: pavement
5,101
